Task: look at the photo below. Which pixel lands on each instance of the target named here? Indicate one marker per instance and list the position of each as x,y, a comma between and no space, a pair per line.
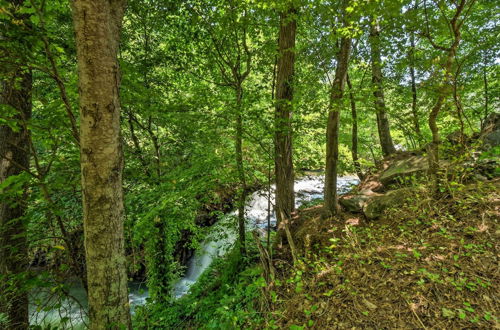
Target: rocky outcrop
372,205
490,132
376,205
404,167
356,203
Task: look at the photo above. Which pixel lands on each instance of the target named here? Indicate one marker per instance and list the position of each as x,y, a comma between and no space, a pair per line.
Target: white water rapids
224,233
221,238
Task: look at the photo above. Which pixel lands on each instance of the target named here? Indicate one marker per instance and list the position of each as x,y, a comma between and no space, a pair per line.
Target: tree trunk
285,199
414,108
354,116
15,92
332,131
444,90
14,157
97,26
384,131
241,171
486,95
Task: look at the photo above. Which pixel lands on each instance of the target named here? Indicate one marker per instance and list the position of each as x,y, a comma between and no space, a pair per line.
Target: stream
221,238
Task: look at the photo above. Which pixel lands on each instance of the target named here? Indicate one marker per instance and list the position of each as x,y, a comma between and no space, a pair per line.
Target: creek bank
427,262
394,180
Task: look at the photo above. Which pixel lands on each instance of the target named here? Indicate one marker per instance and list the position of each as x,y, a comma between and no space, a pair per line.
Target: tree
332,130
354,130
15,101
384,131
97,26
285,199
444,89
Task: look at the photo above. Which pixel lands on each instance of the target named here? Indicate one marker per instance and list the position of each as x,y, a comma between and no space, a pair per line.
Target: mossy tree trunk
384,131
97,25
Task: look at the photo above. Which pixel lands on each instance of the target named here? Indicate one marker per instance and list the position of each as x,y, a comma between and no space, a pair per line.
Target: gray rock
376,206
354,203
491,139
404,167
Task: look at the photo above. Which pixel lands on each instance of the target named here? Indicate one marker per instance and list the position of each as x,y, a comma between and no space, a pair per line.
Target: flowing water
220,239
224,233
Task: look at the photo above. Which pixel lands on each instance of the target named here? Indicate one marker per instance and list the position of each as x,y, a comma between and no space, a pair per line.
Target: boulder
376,206
491,139
404,167
490,131
354,203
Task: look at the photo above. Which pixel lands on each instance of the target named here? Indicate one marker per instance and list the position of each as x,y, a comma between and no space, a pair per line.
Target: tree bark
486,93
97,26
15,93
285,199
332,130
242,194
14,157
354,116
414,106
384,131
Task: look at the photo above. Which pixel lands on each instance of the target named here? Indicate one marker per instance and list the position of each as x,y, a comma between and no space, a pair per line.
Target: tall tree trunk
285,199
14,158
354,135
332,130
384,131
241,171
414,108
97,26
15,92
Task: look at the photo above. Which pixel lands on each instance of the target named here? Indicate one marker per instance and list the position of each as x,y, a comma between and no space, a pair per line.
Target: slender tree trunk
354,116
332,130
14,157
486,95
384,131
285,199
414,108
444,90
97,26
241,171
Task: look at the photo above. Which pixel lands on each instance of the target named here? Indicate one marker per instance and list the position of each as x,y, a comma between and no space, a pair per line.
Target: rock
371,183
354,203
404,167
492,123
491,139
490,131
375,207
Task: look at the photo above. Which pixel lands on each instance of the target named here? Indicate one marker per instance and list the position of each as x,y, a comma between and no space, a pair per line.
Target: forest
249,164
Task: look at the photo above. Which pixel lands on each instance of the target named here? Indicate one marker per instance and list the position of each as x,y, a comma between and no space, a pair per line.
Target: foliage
225,297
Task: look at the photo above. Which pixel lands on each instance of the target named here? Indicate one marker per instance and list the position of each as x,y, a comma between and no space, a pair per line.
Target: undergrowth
431,263
226,296
428,264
